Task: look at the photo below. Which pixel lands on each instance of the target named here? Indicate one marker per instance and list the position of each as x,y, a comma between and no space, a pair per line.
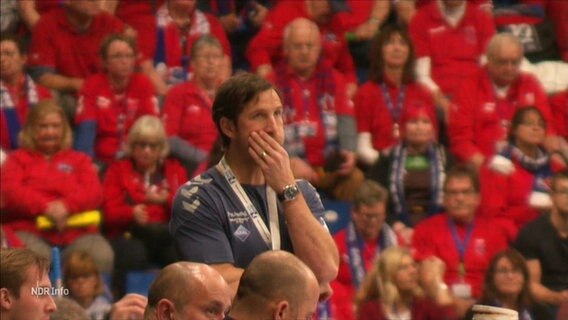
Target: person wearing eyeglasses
396,288
110,101
138,192
320,122
515,183
462,239
414,171
364,238
506,284
544,243
50,193
187,106
485,103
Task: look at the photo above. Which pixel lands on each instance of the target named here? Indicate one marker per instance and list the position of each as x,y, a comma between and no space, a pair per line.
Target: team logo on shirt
103,102
242,233
489,107
470,35
238,217
192,108
479,246
64,167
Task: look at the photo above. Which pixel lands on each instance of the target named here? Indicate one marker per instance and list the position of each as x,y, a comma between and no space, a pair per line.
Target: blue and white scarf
437,161
9,108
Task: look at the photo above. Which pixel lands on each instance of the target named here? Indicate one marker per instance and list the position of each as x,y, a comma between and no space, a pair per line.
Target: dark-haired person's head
276,285
528,127
233,96
507,279
392,48
369,209
559,194
12,58
461,193
25,289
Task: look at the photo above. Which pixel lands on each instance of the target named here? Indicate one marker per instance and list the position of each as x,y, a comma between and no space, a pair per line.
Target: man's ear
228,127
165,310
282,311
6,299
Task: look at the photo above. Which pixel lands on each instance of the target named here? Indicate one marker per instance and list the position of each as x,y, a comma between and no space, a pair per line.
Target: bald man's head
186,289
504,56
276,277
302,45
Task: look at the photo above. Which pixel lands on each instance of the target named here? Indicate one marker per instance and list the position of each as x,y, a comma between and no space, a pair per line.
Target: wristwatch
290,192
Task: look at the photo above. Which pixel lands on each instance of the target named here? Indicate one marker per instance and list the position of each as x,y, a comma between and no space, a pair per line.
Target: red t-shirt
305,106
454,51
266,46
141,16
373,115
559,109
68,176
58,47
476,120
432,237
188,115
114,113
124,188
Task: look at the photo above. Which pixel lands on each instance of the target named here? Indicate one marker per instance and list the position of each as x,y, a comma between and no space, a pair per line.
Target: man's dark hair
234,95
519,117
4,36
463,171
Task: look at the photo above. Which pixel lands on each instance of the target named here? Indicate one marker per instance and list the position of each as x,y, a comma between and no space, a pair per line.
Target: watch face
290,192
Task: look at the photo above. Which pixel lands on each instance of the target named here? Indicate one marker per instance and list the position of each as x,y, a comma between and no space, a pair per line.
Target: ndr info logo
49,291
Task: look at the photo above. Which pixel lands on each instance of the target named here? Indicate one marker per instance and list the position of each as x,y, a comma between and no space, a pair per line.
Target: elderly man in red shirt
450,37
480,118
320,131
265,49
65,44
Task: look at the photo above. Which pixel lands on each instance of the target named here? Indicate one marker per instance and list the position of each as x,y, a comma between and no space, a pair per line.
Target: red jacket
124,188
432,237
141,15
475,120
422,309
99,103
507,196
559,109
187,114
373,115
57,46
30,182
168,52
266,46
454,51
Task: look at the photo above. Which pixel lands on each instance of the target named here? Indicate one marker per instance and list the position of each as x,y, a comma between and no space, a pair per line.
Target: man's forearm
231,274
312,243
543,294
60,83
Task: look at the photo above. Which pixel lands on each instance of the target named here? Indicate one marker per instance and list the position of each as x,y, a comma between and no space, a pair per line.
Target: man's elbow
328,270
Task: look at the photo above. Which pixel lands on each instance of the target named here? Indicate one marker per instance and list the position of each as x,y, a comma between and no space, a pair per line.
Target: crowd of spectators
443,123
